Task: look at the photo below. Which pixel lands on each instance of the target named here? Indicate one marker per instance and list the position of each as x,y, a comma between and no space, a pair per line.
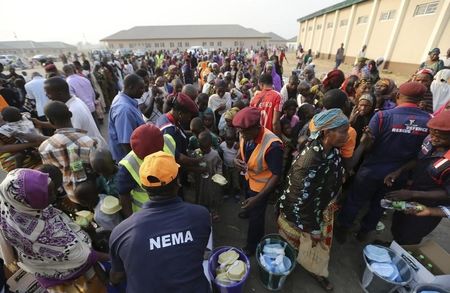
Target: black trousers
410,229
256,222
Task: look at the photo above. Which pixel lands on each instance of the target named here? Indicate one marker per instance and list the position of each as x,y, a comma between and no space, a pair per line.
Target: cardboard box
435,254
23,282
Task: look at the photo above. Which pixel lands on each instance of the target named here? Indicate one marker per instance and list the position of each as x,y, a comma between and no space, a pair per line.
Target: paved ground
346,264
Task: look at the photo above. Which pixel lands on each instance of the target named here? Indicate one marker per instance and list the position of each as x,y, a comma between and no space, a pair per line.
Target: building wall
414,33
183,44
358,30
382,29
444,43
341,29
317,33
413,27
36,51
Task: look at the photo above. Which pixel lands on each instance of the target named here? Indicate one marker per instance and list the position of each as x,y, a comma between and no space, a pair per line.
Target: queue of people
319,149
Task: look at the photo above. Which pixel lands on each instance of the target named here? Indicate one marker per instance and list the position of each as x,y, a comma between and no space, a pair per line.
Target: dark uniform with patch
432,172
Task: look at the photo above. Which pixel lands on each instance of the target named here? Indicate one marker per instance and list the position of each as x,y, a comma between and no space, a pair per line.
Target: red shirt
268,101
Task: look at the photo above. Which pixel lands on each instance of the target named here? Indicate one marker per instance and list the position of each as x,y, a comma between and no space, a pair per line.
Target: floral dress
314,180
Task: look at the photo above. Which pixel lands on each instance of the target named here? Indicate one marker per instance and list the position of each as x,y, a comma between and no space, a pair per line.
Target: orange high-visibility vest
258,173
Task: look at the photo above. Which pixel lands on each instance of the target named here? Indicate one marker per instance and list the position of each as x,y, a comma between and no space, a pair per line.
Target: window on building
180,44
426,8
211,44
219,44
161,45
121,45
147,45
204,44
387,15
258,44
131,45
362,19
236,43
329,25
172,44
310,28
186,44
156,45
343,22
319,26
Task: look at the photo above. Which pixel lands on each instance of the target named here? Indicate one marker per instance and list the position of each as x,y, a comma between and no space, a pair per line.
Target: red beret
50,68
146,139
247,117
187,102
440,122
412,89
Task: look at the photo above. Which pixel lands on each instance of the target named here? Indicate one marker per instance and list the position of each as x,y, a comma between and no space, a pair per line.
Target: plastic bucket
213,264
429,287
274,281
372,282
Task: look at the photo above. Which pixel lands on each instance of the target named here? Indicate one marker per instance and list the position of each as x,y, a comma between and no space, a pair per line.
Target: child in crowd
202,104
288,142
209,192
106,208
289,109
197,127
103,164
229,149
18,123
228,117
208,122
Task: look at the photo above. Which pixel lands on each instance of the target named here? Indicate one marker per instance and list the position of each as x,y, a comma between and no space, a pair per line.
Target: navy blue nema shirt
161,247
399,134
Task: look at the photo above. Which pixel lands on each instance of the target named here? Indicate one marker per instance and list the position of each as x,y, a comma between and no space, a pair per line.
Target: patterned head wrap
328,119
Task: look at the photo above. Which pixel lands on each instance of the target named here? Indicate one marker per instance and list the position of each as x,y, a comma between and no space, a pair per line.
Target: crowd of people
107,213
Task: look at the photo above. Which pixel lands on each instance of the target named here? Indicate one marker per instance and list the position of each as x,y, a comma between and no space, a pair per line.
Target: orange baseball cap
158,169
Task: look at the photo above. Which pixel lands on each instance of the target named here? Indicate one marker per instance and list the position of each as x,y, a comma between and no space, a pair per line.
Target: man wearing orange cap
145,140
430,183
261,158
160,249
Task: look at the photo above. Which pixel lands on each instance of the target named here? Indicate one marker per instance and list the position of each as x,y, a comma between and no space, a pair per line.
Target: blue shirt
124,118
399,134
161,248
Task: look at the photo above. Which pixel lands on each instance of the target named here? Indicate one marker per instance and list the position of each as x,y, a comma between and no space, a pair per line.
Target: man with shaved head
125,116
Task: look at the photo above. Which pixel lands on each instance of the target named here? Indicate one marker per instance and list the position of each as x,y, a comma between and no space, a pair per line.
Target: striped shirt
54,151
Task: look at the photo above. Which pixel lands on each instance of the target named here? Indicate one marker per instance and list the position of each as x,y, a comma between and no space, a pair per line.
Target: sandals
324,282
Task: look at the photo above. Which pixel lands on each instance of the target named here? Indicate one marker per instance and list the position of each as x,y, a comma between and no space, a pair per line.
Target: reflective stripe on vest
138,195
169,144
258,173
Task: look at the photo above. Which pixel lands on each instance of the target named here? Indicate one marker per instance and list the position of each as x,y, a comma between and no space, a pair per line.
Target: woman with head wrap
440,87
333,80
361,114
433,62
307,203
48,244
349,87
385,92
425,77
276,79
370,72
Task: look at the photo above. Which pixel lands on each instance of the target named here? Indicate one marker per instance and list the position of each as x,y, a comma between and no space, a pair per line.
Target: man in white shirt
35,91
57,89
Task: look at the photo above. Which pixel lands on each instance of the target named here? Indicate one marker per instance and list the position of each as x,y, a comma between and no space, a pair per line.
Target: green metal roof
340,5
